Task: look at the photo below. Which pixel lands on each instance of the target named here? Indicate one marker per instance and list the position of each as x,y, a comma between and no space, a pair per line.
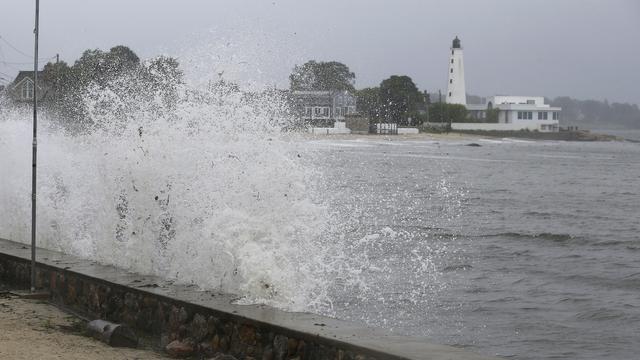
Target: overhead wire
25,63
9,64
15,48
20,51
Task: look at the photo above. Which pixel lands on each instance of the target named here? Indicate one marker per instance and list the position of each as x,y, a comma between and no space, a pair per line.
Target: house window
449,93
525,115
307,111
531,102
450,81
321,112
338,111
542,115
556,116
27,90
451,70
452,61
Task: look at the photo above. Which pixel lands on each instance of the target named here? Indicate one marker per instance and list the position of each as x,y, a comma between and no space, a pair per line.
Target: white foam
211,193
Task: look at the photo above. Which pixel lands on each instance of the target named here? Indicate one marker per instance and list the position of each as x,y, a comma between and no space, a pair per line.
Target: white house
323,108
514,113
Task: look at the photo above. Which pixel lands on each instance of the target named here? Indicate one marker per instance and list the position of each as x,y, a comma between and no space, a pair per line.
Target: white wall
329,131
518,125
408,131
504,99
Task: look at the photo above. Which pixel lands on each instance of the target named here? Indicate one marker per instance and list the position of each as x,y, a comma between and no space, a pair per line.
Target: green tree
443,112
101,67
400,99
134,84
164,76
368,100
57,76
492,115
330,75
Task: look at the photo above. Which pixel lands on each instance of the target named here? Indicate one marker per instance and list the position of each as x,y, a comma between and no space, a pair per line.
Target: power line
26,63
15,48
10,66
21,53
16,63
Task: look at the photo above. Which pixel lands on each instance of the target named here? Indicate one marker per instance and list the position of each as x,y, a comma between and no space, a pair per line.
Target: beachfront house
21,90
323,108
512,113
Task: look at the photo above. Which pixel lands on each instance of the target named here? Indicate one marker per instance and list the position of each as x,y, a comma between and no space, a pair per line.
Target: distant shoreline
582,136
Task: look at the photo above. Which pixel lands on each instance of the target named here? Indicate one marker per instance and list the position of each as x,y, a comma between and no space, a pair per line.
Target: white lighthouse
456,93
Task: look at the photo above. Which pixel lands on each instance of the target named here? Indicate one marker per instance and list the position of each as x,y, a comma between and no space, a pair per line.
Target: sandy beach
34,329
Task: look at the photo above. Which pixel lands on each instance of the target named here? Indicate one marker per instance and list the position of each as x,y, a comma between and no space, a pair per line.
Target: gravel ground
33,329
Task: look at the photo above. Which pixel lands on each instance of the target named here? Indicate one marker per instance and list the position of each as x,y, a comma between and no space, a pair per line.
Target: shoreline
579,136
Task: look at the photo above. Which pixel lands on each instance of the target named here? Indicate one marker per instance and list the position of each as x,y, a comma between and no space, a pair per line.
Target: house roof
26,74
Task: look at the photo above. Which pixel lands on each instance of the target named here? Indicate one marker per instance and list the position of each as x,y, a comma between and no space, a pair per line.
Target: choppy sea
522,249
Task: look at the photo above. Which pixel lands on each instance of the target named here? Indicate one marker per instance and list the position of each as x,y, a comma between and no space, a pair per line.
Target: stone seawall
205,322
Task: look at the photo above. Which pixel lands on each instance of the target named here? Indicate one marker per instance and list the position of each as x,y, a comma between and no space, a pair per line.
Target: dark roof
24,74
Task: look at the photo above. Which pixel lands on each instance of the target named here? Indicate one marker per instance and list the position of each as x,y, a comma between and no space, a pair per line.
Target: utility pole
427,102
35,151
57,58
440,103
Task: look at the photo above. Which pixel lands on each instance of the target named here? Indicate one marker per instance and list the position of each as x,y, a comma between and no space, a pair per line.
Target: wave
209,192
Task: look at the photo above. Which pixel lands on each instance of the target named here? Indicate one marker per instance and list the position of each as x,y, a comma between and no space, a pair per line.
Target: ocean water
523,249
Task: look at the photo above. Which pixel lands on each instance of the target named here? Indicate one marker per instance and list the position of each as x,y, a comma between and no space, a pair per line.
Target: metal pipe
116,335
35,151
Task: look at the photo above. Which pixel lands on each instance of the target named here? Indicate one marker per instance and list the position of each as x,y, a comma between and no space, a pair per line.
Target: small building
21,90
513,113
323,108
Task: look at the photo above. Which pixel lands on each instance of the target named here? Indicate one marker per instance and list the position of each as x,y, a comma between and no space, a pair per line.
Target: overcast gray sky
581,48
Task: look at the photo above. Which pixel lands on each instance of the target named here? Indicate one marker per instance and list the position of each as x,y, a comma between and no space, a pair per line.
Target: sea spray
205,184
207,191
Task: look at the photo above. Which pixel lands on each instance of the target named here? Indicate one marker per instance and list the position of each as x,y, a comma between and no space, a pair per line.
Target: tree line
594,113
118,72
396,99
